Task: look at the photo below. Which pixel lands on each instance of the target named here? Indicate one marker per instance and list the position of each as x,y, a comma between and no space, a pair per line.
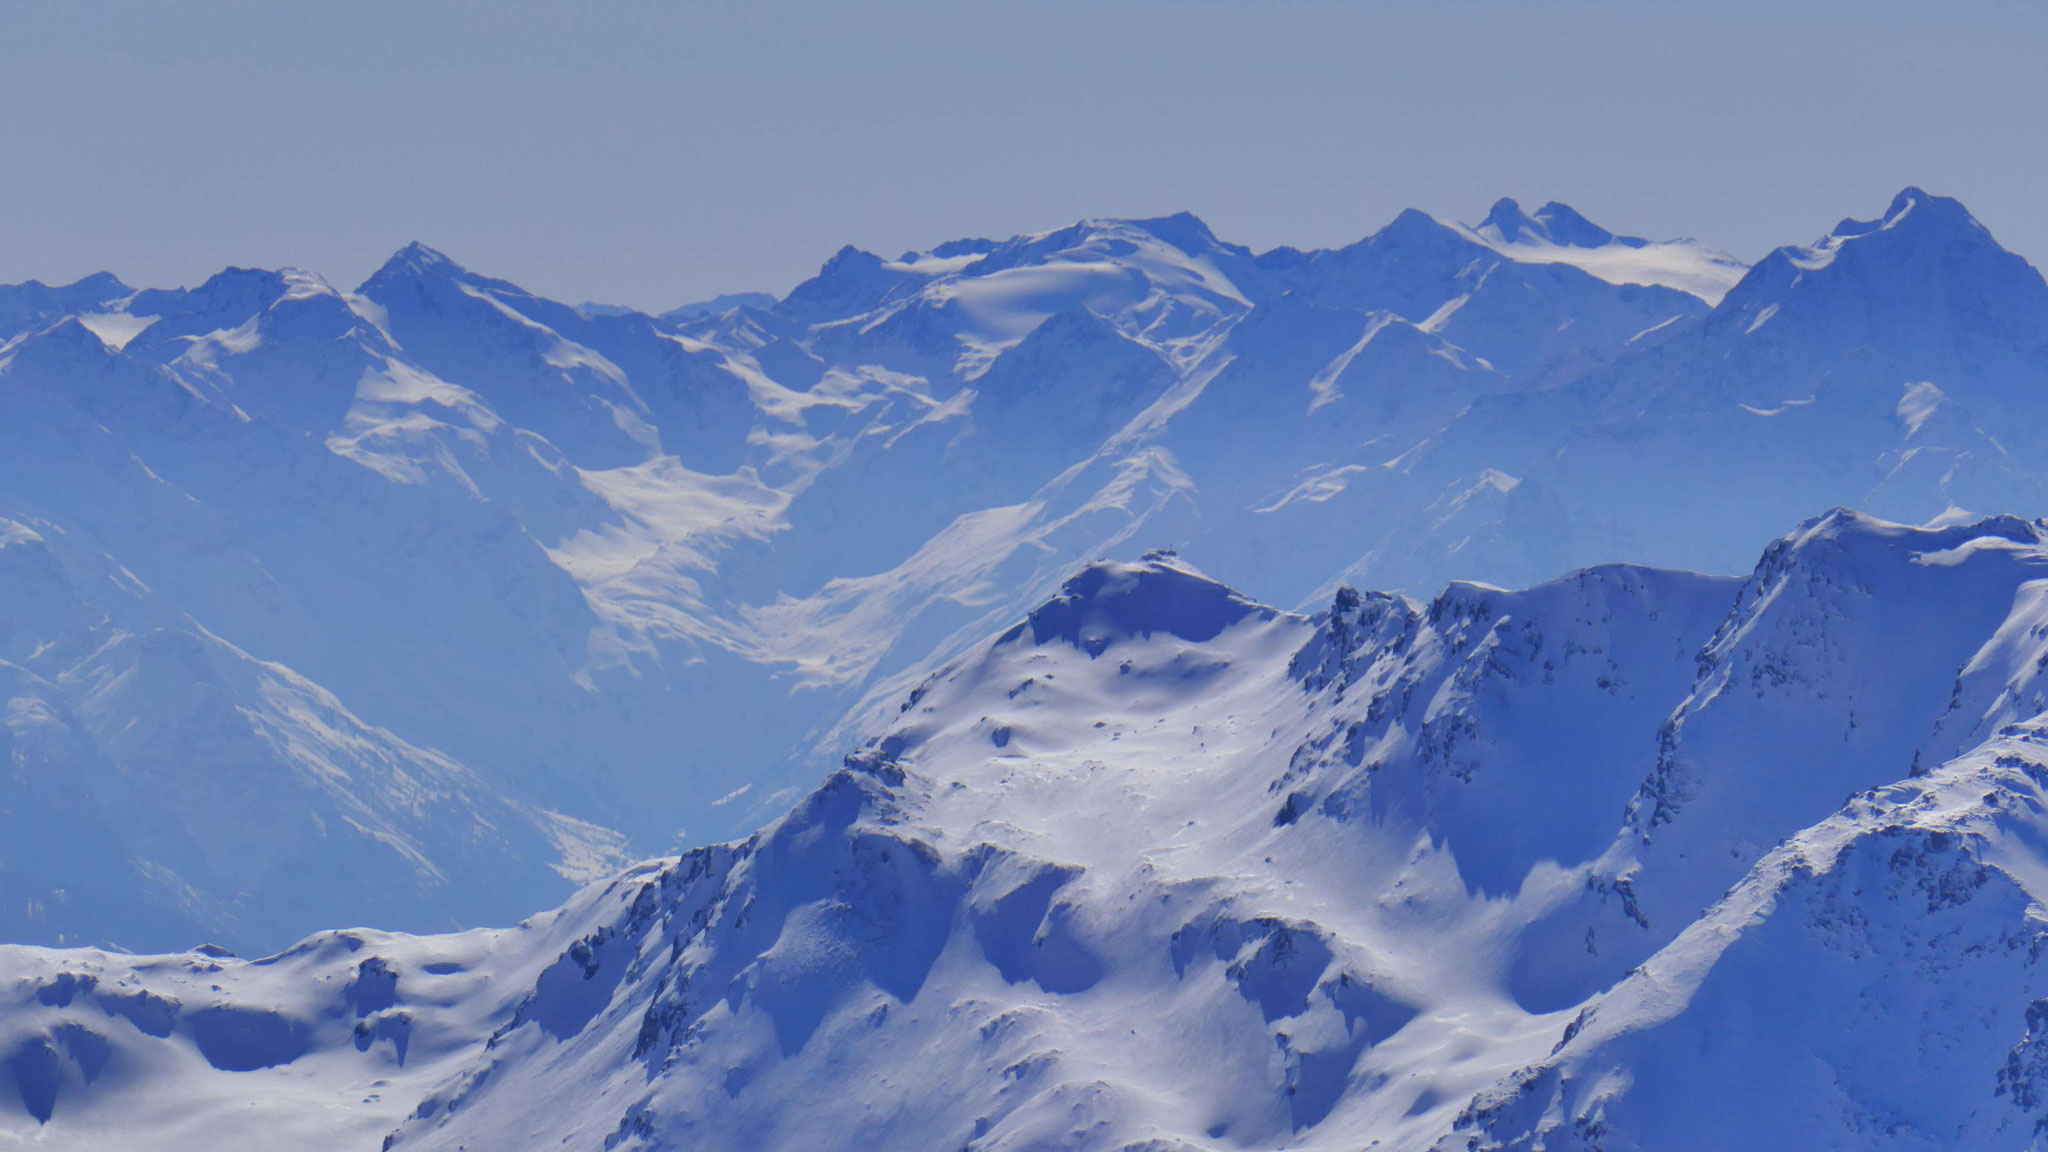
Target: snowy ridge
1555,234
1160,867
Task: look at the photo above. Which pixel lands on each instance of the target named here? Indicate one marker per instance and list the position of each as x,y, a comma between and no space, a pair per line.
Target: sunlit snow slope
1633,859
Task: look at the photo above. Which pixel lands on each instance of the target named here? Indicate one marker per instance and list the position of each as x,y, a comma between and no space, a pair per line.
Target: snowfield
1633,859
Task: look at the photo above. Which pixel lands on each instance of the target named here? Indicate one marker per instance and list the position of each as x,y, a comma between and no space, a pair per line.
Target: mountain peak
849,257
236,279
1907,197
1915,209
419,254
1924,275
1555,224
414,261
422,271
100,283
1565,226
1184,230
851,282
1412,221
1416,230
1106,601
1506,221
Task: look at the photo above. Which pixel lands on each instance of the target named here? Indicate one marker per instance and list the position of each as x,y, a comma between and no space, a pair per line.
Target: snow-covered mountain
571,583
1557,234
1633,859
1895,366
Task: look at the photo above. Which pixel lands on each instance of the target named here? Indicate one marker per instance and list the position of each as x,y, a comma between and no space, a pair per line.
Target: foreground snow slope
1160,867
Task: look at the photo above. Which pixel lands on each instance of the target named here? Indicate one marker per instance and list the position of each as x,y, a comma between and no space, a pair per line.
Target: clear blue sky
654,153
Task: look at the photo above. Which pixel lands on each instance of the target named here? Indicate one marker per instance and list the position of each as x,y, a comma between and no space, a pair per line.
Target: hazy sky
654,153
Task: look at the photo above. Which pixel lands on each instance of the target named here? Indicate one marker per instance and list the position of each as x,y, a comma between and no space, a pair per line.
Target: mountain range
422,603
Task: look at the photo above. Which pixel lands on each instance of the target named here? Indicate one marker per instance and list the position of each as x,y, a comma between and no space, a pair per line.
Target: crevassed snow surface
1634,859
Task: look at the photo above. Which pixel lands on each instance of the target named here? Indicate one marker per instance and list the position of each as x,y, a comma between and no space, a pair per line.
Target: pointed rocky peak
1917,217
420,280
413,264
1410,267
1356,622
1565,227
418,260
97,291
1413,245
105,285
853,282
850,260
418,264
1417,244
1554,224
1414,226
1506,222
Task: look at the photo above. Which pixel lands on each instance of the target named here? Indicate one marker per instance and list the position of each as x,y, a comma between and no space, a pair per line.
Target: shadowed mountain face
472,593
1159,866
